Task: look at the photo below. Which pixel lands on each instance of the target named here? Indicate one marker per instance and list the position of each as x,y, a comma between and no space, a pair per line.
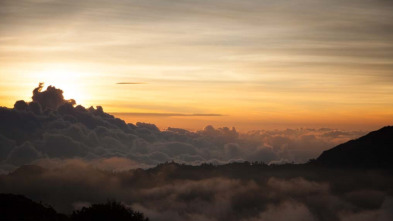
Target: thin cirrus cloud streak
164,114
130,83
329,60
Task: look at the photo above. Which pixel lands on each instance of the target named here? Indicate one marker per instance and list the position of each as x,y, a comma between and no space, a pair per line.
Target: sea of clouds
235,192
50,127
84,156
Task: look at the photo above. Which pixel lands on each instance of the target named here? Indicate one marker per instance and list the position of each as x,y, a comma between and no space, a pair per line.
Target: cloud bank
232,192
84,156
50,127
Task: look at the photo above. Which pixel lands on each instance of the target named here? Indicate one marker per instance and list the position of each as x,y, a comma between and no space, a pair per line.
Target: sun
66,79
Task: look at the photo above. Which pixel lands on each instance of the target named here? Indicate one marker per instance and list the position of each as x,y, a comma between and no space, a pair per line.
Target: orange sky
248,64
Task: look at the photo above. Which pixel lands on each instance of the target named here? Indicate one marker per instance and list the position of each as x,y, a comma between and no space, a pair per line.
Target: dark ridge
111,210
374,150
19,208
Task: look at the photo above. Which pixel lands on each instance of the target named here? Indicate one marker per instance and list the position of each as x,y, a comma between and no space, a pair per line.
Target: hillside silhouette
111,210
374,150
20,208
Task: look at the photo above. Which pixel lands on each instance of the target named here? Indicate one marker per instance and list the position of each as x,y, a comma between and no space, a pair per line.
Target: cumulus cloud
50,127
23,154
164,114
51,98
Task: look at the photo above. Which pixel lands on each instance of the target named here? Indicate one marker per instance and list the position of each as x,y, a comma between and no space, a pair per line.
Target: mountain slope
374,150
18,207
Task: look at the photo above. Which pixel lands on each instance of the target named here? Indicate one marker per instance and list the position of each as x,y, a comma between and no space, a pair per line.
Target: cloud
113,164
130,83
384,213
290,211
164,114
230,192
23,154
50,127
51,98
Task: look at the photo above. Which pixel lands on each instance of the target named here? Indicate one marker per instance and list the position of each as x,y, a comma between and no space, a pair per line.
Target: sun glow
69,80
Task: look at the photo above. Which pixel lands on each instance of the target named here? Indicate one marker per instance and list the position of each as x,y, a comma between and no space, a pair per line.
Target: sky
251,64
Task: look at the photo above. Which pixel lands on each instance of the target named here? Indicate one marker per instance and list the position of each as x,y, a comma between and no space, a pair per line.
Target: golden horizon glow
257,64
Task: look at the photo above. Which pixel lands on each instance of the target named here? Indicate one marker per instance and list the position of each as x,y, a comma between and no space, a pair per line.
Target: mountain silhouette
17,208
374,150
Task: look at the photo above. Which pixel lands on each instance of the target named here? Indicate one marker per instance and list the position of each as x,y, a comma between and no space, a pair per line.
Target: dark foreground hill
17,207
374,150
20,208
